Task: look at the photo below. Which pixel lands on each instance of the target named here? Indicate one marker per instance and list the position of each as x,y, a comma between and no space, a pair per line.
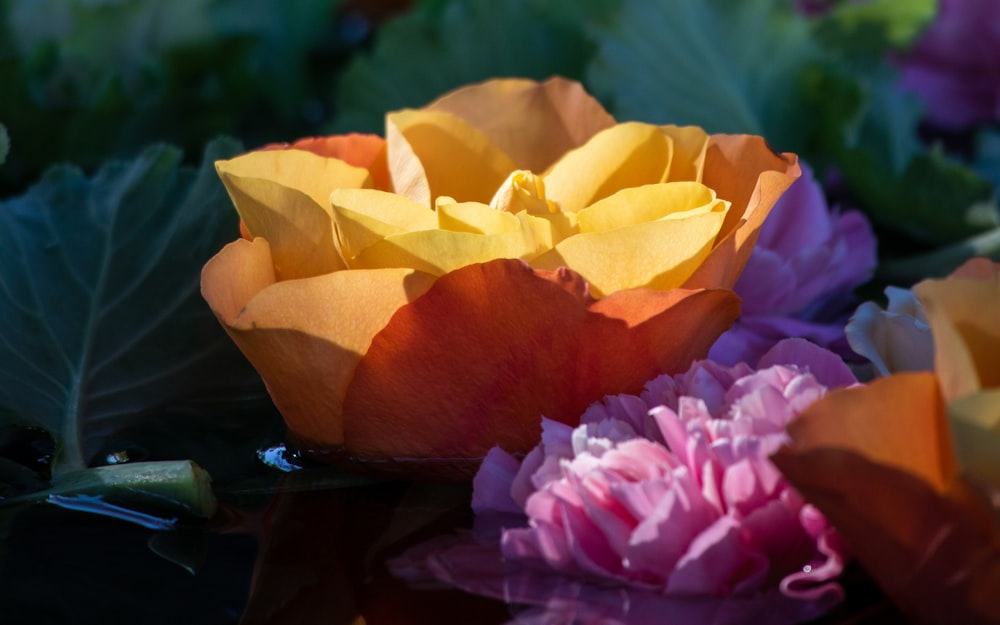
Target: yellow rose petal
439,251
365,216
689,152
627,155
281,195
658,255
975,428
962,313
523,191
475,218
304,171
639,205
456,159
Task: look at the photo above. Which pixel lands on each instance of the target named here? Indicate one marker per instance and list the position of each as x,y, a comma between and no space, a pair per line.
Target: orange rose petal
533,123
898,421
744,170
292,330
491,348
978,269
877,462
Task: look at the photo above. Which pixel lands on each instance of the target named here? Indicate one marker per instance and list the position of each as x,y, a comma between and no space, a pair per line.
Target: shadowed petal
492,347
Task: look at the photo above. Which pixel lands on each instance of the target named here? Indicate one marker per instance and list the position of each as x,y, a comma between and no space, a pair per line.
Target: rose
909,491
894,339
380,320
672,490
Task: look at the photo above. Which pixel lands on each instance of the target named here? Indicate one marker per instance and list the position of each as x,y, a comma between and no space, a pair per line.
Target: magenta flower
672,490
800,277
955,66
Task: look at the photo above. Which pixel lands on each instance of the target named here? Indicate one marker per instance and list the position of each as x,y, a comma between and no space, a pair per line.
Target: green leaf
84,81
934,199
870,134
724,65
154,492
101,320
442,45
987,159
870,28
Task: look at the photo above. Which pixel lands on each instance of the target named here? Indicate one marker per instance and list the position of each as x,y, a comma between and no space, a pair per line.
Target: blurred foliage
872,27
84,80
443,44
690,62
824,87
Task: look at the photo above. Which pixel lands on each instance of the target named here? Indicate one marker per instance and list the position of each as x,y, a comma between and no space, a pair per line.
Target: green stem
177,487
940,262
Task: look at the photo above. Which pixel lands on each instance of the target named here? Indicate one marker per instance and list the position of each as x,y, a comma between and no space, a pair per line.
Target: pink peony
955,66
672,490
800,277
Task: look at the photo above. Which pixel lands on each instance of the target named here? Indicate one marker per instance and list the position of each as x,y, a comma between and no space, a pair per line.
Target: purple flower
672,490
955,66
799,279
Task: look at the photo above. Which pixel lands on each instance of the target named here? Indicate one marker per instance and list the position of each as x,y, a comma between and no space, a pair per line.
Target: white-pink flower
673,490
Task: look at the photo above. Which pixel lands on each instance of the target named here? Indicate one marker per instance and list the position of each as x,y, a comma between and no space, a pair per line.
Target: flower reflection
470,562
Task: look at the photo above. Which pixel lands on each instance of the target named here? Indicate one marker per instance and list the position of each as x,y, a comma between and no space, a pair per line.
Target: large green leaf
446,44
724,65
101,320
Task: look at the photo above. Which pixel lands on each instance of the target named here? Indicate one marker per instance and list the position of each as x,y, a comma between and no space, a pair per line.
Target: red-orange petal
491,348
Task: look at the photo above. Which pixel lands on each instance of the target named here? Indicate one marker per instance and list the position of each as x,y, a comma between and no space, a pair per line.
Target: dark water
297,557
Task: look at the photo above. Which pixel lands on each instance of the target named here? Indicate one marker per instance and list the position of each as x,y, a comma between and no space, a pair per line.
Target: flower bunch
505,252
672,489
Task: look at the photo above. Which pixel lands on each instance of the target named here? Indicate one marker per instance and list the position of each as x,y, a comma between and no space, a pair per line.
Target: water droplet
117,457
278,457
807,569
